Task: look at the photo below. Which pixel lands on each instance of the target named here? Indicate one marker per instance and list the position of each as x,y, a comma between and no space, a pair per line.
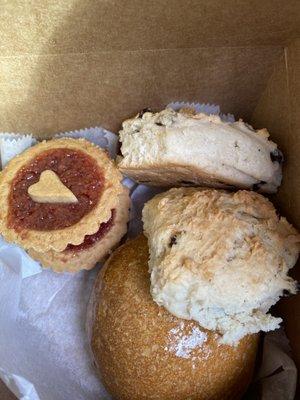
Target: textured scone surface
219,258
143,352
198,149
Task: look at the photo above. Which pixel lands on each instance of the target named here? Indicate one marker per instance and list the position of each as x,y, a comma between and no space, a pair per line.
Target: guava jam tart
60,199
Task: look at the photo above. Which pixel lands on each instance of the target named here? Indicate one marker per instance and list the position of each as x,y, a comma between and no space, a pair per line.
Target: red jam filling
78,171
90,240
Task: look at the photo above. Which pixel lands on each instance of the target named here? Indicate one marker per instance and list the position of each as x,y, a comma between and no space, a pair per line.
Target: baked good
219,258
94,248
171,148
143,352
63,201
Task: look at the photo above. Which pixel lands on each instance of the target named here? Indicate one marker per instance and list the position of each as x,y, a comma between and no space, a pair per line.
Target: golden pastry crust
144,353
58,239
176,175
167,147
74,261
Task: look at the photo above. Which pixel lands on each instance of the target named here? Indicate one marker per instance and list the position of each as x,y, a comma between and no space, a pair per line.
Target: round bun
219,258
143,352
172,148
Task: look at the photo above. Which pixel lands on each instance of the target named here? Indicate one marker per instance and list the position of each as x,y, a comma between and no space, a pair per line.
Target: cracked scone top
172,148
219,258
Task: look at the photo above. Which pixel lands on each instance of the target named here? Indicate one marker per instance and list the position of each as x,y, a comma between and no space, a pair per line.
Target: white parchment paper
44,353
12,144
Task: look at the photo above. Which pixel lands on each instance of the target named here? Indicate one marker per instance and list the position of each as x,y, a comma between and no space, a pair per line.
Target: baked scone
143,352
62,196
219,258
173,148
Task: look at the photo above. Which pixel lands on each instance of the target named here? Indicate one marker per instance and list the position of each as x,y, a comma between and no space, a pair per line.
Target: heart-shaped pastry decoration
50,189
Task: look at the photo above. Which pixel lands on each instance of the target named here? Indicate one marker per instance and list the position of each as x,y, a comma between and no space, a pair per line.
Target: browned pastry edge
74,261
173,175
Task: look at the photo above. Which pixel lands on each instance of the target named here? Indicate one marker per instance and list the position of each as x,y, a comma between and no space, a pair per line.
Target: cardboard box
71,64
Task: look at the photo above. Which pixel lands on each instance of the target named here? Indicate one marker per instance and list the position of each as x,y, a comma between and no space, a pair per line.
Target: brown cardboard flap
75,26
278,110
48,94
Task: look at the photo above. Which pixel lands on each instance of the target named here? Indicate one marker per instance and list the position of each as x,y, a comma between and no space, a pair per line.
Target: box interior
277,109
75,64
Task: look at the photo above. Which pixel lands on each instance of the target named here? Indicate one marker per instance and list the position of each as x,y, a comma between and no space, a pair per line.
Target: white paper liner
19,386
202,108
44,352
277,375
99,136
12,144
139,196
17,258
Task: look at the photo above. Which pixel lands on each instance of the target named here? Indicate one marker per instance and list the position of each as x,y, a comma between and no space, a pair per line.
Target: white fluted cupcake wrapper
97,135
209,109
12,144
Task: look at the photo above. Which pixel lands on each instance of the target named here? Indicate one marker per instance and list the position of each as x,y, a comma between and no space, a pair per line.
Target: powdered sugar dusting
182,344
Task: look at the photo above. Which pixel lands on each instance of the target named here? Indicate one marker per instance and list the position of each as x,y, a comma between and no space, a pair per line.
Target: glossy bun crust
143,352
